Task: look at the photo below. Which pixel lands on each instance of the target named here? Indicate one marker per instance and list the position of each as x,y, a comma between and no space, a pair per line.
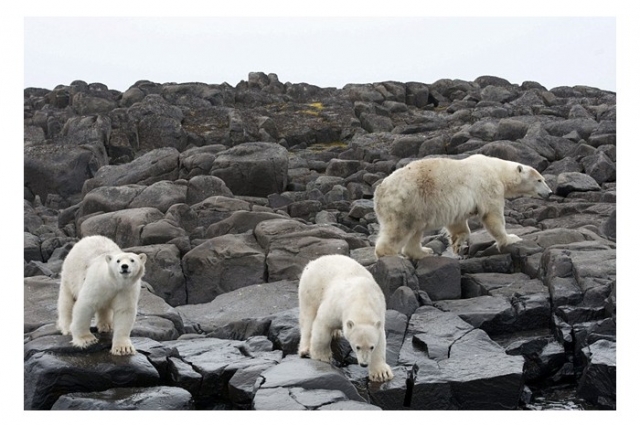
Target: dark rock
572,182
600,167
155,166
40,301
239,222
306,374
222,264
216,361
161,195
458,367
392,272
250,302
439,277
598,382
284,331
152,398
493,314
48,375
404,301
125,227
47,171
255,169
164,272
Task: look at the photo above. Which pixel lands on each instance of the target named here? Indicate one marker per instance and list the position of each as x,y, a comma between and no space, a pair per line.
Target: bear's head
127,266
363,339
529,182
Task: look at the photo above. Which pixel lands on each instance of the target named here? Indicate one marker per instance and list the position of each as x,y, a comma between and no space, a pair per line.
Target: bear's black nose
362,364
125,267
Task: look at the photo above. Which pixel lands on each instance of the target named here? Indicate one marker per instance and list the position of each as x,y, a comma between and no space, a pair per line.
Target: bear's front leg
105,320
494,223
123,319
80,325
379,370
320,342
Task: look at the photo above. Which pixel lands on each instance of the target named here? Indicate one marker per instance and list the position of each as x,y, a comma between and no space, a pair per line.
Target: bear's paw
84,341
123,349
380,374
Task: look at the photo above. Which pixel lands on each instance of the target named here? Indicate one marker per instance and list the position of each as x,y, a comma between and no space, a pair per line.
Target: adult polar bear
98,278
337,293
432,193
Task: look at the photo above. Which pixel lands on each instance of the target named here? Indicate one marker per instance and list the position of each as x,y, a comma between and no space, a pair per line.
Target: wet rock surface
230,191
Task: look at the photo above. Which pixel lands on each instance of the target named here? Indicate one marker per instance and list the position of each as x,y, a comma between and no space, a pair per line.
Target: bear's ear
350,324
520,168
108,258
143,258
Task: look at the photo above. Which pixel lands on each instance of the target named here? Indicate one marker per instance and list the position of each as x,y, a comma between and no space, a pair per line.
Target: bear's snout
124,268
546,194
363,364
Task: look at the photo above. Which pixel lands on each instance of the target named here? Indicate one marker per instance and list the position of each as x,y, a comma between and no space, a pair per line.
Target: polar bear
433,193
337,293
98,278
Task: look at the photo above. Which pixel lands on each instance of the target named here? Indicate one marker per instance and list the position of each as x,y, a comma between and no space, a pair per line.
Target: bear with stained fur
433,193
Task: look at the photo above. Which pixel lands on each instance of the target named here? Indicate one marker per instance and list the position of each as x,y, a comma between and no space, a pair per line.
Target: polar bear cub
98,278
337,293
433,193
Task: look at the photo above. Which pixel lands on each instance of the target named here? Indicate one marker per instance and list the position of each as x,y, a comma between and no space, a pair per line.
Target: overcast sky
327,52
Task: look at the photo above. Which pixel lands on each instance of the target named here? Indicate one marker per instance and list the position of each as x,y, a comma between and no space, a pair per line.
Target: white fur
93,282
433,193
337,293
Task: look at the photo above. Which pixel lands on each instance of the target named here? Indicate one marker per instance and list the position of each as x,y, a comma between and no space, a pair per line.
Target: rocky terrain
230,191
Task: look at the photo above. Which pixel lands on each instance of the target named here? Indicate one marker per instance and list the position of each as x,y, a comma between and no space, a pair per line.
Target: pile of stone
230,191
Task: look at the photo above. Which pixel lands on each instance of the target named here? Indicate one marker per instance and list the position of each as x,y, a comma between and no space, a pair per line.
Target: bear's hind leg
495,226
320,342
65,309
306,321
459,234
391,239
413,249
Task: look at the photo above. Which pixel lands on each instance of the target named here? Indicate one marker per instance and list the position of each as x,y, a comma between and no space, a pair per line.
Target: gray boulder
47,171
256,169
155,166
125,227
222,264
250,303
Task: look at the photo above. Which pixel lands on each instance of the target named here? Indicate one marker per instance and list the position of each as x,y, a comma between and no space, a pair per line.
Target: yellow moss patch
316,107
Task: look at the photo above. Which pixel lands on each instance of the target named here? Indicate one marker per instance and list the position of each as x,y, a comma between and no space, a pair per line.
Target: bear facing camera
99,279
435,193
337,293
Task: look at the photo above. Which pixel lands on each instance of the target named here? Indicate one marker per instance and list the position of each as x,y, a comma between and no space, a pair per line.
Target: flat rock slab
307,374
47,375
251,302
152,398
456,366
494,315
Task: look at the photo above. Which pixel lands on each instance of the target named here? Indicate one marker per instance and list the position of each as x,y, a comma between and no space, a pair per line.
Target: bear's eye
539,180
371,348
118,261
357,348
